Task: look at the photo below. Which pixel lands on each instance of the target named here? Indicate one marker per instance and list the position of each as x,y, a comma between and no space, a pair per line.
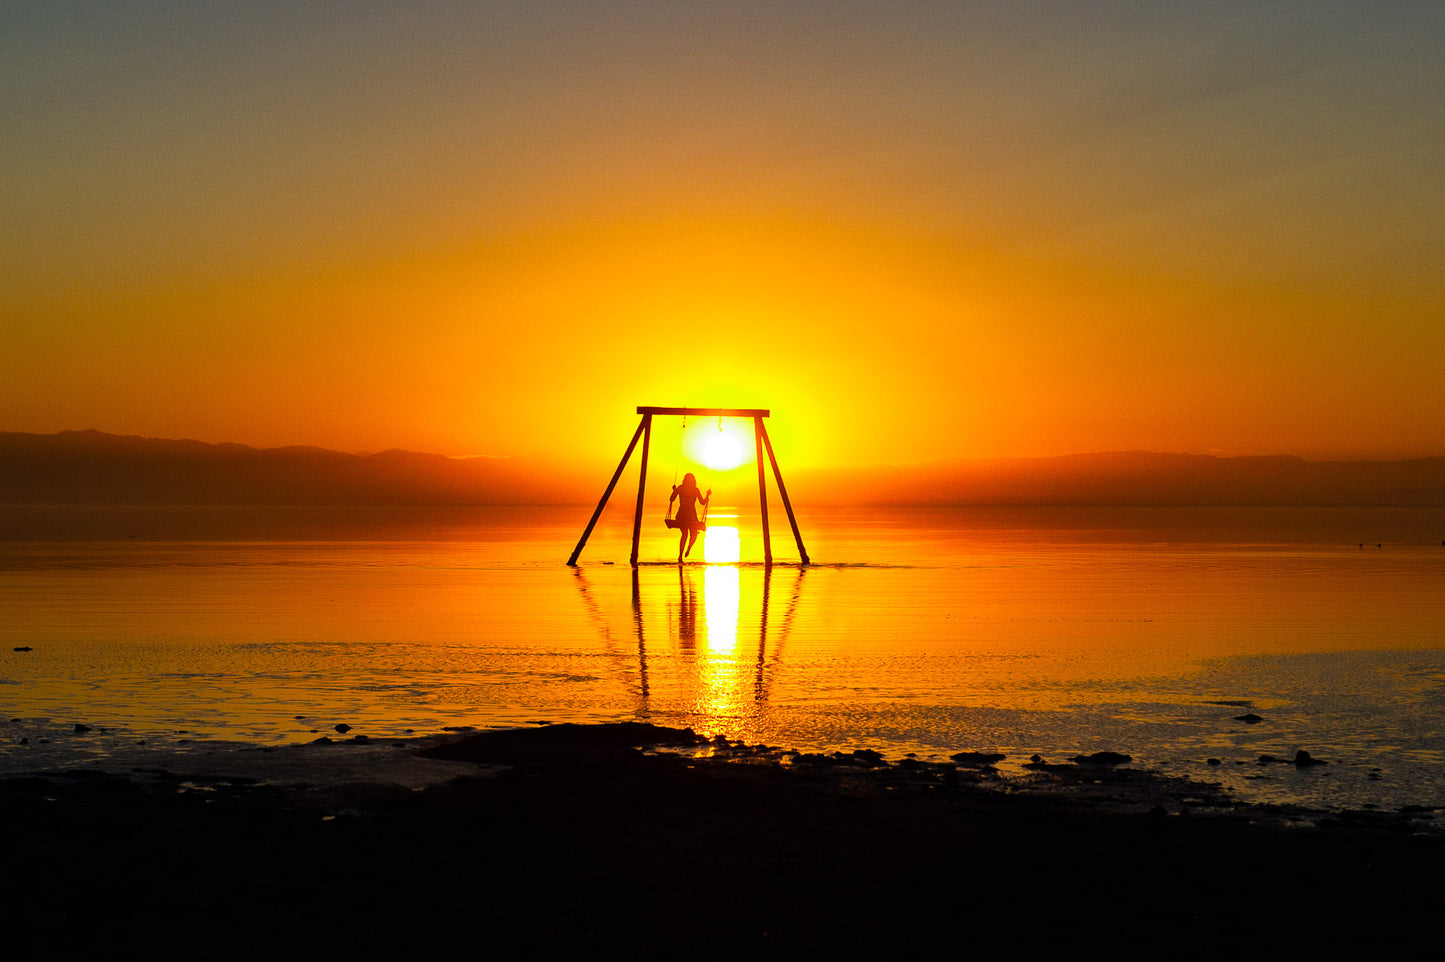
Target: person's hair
688,479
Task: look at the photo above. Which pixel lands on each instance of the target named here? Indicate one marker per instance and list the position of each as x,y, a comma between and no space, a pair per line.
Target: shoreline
1257,778
573,838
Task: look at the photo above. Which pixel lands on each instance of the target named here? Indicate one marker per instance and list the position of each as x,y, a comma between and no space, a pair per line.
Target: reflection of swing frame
644,431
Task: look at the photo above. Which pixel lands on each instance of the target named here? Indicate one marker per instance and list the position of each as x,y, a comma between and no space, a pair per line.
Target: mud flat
574,839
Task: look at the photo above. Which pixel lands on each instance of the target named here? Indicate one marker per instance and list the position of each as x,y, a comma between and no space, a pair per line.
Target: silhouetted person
688,525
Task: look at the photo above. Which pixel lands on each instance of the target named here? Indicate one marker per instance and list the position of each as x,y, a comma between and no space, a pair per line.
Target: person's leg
692,539
681,540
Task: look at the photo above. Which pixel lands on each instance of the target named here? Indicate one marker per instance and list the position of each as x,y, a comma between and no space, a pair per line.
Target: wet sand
568,840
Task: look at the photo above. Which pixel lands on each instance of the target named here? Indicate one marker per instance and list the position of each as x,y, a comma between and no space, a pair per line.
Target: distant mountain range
90,467
1148,478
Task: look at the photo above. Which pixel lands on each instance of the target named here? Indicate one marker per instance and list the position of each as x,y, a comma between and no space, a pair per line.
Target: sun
722,452
720,447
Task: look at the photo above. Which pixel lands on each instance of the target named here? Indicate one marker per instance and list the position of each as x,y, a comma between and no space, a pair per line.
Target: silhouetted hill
90,467
1146,478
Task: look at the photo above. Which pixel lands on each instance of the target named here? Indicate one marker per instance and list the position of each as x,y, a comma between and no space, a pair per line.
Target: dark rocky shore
583,846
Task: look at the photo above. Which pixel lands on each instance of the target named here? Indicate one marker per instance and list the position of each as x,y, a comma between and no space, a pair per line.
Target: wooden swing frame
644,431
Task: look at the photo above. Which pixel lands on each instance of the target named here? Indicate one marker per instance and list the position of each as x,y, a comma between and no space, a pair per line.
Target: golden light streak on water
721,545
721,600
723,677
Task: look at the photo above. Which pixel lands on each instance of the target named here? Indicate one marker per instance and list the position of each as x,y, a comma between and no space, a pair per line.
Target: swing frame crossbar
761,442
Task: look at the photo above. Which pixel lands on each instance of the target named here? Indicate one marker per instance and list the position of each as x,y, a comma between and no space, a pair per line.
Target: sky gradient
915,231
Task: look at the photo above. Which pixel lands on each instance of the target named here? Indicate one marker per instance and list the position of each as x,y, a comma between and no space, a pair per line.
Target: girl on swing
688,525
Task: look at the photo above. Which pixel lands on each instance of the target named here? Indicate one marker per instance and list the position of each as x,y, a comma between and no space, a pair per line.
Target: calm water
1019,630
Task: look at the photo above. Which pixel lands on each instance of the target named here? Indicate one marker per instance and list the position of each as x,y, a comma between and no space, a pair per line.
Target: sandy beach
563,840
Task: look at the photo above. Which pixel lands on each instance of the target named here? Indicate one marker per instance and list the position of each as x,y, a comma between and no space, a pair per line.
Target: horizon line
934,463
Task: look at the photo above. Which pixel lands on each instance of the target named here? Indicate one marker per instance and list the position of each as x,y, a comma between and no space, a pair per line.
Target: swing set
644,432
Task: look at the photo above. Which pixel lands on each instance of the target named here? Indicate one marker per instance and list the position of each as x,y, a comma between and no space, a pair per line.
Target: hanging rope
682,437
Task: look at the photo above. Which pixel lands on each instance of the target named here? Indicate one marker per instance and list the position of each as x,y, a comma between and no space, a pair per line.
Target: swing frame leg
577,552
646,429
782,490
758,434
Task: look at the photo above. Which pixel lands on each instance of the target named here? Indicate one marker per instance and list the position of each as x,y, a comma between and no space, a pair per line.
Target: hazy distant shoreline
91,467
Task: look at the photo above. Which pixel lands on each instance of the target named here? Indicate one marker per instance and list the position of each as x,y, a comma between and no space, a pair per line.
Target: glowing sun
721,448
722,546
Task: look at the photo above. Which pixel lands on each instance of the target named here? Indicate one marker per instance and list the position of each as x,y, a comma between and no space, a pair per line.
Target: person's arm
672,497
708,496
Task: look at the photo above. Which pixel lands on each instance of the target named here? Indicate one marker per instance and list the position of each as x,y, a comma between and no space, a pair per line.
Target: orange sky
914,231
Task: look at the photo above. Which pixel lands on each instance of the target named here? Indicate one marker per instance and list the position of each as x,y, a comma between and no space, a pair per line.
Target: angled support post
758,435
646,430
576,552
782,490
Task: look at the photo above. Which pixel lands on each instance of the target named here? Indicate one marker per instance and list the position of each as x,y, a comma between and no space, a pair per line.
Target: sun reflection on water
721,544
723,677
721,601
723,643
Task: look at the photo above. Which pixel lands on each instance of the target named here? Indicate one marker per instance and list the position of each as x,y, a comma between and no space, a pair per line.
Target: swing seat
675,523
